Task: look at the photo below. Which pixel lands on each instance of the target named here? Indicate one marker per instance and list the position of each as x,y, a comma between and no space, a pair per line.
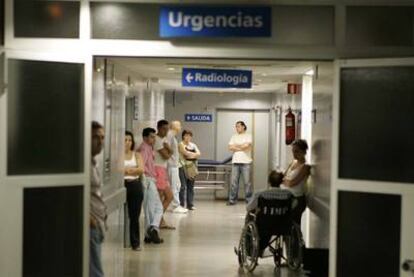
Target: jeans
135,197
153,209
299,209
175,185
186,191
237,171
95,263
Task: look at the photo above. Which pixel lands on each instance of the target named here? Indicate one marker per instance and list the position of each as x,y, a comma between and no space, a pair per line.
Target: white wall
281,102
319,184
315,223
150,108
204,133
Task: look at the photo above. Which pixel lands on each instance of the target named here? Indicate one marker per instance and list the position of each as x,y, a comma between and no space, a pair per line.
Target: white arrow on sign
189,77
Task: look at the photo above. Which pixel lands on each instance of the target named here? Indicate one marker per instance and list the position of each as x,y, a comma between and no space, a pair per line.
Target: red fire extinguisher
290,127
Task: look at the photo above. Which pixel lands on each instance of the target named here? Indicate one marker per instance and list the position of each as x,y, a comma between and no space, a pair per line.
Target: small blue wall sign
215,21
189,117
216,78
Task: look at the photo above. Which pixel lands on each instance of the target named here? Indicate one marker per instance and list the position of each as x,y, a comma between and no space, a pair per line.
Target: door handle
408,265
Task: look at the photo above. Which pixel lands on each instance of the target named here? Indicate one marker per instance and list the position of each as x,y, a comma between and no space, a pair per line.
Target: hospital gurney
214,175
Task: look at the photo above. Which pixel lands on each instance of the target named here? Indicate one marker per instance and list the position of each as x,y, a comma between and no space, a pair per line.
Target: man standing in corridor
152,204
241,146
173,166
97,205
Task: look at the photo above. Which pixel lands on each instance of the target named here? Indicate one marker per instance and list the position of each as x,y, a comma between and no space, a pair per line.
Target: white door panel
390,93
261,150
257,123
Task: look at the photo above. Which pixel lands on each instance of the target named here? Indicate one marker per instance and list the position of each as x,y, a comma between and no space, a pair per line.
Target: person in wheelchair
274,193
270,224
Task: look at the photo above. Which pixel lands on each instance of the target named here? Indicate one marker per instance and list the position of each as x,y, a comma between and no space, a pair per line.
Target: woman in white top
189,154
296,176
132,176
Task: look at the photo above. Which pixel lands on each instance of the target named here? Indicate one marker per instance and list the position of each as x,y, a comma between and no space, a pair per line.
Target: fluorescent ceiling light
171,68
310,72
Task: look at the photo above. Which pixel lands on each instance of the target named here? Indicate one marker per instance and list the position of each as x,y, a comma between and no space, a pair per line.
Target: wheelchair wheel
294,248
248,253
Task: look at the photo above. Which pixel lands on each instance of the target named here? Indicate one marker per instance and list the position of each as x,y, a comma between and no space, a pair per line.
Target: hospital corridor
206,138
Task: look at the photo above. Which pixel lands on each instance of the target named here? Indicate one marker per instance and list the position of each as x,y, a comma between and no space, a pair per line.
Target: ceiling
268,76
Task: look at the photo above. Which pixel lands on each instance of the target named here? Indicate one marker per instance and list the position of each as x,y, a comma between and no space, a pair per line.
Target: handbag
190,169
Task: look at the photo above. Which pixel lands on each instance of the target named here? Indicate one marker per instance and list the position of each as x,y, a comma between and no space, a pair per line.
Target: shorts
162,182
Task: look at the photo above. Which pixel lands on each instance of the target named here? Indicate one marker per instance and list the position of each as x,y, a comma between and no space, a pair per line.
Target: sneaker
180,210
192,208
147,240
230,203
136,248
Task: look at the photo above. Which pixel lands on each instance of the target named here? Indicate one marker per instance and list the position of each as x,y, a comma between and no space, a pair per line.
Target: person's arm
168,147
233,146
162,147
165,153
302,175
287,169
247,145
197,154
139,169
185,153
194,155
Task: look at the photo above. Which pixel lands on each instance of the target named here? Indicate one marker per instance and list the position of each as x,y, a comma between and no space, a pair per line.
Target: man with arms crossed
173,166
241,146
163,153
152,204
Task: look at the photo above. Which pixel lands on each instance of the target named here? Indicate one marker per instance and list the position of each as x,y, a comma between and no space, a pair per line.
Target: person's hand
93,223
287,182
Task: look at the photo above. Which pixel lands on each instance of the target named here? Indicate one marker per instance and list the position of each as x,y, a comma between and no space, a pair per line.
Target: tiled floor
202,245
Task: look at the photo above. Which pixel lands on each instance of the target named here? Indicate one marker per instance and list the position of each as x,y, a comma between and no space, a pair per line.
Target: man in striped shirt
275,179
274,193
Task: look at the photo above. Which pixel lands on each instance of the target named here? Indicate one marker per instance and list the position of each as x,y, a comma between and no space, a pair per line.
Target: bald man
173,167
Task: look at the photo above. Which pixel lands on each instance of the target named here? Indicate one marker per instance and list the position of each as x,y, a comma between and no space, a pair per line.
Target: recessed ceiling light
171,68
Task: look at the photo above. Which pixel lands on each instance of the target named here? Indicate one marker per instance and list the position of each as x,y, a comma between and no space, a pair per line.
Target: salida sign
216,78
215,21
198,117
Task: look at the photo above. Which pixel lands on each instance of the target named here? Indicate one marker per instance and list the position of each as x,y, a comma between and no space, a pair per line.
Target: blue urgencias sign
216,78
189,117
215,21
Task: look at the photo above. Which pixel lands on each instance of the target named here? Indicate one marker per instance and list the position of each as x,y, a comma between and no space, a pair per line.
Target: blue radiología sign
215,21
189,117
216,78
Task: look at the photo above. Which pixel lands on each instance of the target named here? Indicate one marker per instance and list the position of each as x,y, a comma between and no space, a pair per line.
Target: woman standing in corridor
135,195
295,177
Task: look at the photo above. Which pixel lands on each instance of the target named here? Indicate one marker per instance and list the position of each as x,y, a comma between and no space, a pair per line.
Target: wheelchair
271,220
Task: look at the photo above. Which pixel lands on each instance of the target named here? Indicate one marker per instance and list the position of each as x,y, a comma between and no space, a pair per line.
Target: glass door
44,164
372,223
